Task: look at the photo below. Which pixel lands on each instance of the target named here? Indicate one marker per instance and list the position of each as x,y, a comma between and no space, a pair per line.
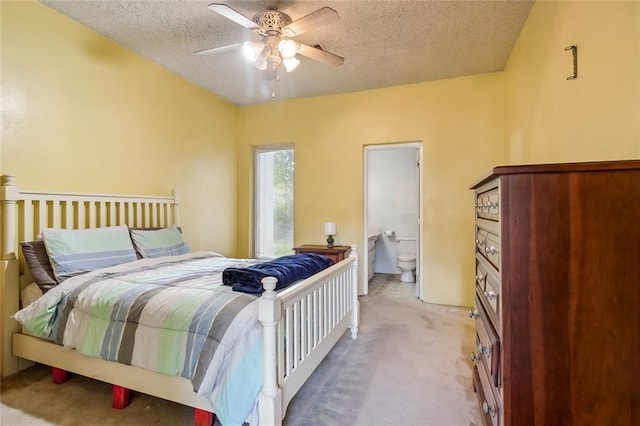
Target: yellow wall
459,122
596,116
529,113
82,113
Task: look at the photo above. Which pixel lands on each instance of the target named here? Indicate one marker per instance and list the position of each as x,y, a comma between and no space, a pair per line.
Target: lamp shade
291,64
330,228
252,50
261,63
288,48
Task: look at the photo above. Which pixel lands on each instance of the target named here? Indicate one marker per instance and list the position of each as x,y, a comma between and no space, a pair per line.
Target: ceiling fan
277,31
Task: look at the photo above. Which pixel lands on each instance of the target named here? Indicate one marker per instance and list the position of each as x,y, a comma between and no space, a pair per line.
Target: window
274,202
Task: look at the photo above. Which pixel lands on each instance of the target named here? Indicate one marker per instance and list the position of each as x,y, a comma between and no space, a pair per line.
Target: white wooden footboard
301,325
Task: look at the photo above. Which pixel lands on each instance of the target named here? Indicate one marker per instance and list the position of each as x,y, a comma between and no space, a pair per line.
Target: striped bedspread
171,315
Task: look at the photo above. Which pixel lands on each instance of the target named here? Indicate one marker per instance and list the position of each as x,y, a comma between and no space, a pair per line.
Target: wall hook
574,51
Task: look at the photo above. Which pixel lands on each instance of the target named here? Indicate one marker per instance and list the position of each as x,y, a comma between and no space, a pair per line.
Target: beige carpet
409,366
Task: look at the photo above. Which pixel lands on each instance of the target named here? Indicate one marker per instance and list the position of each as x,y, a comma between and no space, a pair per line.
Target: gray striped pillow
160,242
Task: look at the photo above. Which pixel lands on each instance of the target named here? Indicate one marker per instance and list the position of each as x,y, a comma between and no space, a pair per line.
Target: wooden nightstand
335,253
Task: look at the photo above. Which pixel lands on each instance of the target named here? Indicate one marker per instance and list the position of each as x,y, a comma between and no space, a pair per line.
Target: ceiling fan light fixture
288,48
277,47
261,63
252,50
291,64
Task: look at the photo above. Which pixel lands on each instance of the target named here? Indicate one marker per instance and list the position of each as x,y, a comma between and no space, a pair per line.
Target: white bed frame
301,324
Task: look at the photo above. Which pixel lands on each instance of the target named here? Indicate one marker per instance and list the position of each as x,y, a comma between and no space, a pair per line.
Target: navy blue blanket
287,269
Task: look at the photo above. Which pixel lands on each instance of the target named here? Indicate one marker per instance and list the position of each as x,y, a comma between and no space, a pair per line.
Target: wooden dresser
335,253
557,306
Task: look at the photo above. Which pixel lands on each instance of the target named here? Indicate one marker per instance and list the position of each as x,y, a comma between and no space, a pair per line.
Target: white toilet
406,249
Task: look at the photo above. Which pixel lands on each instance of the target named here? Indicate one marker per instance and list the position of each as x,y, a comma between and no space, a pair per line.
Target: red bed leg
204,418
59,375
120,397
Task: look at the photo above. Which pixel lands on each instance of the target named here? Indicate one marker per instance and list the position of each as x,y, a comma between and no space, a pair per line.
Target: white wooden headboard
26,212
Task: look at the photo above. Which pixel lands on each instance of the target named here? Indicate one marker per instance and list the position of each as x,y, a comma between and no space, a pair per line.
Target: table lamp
330,231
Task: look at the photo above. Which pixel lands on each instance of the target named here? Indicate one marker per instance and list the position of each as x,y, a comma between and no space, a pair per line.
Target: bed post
355,310
269,311
176,207
9,276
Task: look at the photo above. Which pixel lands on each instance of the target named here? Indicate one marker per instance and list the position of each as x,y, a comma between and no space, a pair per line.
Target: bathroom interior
392,204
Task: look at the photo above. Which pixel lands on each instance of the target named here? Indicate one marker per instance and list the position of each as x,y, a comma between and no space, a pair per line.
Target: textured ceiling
384,43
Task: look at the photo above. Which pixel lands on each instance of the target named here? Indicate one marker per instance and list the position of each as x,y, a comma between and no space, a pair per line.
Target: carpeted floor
408,367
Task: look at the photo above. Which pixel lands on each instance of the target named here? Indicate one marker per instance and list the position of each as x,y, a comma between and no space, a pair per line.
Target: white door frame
420,239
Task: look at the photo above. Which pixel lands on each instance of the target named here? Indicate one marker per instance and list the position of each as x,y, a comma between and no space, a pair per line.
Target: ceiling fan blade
236,17
320,55
320,17
218,49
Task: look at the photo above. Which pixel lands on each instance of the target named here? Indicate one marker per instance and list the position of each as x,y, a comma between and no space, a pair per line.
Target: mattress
172,315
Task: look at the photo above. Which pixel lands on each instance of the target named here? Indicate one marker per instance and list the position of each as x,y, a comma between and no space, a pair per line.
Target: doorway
393,215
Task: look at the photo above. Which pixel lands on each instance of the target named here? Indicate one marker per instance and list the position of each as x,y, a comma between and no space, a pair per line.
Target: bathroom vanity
372,238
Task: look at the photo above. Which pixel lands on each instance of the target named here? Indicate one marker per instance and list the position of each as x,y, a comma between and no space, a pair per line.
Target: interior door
419,224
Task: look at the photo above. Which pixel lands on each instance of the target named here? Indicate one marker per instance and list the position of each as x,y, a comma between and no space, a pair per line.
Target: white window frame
260,220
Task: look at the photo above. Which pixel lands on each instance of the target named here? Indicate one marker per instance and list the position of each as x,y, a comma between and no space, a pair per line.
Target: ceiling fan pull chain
274,84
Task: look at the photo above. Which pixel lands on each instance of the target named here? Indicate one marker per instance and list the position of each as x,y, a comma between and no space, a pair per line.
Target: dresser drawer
488,347
488,288
481,240
486,397
481,276
488,245
488,204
